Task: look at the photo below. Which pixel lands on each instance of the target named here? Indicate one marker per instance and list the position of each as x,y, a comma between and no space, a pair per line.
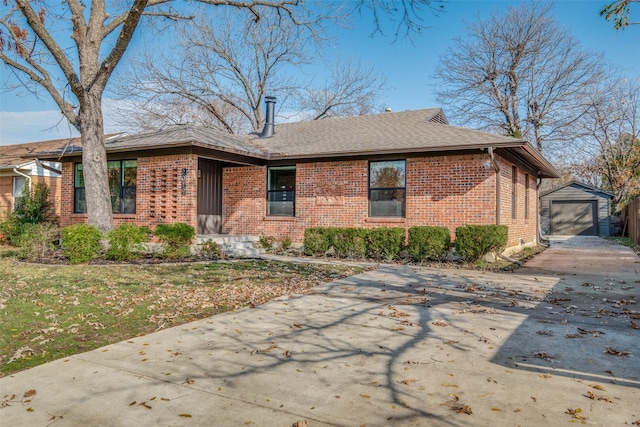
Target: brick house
390,169
17,172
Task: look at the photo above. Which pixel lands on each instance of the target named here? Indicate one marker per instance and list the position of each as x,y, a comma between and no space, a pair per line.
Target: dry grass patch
49,312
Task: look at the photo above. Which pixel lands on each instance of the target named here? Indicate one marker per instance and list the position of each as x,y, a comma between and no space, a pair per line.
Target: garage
575,209
574,218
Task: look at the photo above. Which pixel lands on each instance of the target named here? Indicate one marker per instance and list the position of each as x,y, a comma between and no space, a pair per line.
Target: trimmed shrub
428,242
210,250
385,242
349,242
285,244
176,238
266,242
126,242
475,241
38,241
81,243
316,241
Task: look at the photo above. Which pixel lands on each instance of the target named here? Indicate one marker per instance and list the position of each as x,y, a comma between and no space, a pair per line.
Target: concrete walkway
550,344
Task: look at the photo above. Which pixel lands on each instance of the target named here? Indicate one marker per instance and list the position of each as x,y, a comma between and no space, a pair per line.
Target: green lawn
50,312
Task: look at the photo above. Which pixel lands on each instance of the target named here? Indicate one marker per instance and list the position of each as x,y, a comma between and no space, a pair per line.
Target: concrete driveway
553,343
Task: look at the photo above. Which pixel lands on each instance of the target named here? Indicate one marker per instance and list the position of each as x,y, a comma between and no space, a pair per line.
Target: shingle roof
408,131
185,134
14,155
577,184
417,131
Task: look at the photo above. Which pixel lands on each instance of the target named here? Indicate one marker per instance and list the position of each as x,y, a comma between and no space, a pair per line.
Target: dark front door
574,218
209,197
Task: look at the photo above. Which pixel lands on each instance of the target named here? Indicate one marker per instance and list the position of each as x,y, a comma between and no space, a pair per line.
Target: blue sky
408,66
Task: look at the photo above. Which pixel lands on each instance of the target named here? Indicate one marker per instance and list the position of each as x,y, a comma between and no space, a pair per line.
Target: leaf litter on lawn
50,312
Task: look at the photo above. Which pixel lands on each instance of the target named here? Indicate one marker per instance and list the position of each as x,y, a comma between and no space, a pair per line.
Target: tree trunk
94,163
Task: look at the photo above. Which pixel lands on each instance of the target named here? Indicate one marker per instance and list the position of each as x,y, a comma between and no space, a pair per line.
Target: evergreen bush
316,241
475,241
176,239
427,242
385,242
81,243
126,242
349,242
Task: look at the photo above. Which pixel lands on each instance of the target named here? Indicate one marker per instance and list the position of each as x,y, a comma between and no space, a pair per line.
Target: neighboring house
576,209
391,169
18,172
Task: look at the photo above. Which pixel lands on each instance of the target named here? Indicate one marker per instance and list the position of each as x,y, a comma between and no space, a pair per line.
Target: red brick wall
159,192
441,190
6,195
6,192
521,230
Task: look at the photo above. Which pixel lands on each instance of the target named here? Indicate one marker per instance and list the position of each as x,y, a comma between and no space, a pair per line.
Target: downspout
17,172
496,166
540,237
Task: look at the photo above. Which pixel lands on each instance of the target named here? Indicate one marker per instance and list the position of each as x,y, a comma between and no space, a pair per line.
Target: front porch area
234,245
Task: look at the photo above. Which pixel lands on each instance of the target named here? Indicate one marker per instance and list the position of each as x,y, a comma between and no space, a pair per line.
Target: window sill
279,218
389,220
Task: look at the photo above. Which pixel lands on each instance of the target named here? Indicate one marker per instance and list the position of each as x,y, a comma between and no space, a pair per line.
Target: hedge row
424,243
82,243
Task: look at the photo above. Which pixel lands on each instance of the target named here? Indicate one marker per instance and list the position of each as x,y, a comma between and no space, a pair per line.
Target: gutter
17,172
496,166
49,168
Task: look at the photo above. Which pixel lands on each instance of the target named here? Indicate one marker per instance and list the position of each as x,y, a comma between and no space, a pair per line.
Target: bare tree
75,75
619,11
351,89
610,139
518,73
406,16
219,71
70,50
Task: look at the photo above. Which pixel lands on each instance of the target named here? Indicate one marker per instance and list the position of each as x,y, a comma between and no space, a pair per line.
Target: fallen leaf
613,351
439,323
633,325
465,409
185,415
575,413
407,381
365,396
145,405
30,393
29,409
597,387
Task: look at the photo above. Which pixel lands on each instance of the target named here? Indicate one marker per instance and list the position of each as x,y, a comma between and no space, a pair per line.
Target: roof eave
410,150
177,144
